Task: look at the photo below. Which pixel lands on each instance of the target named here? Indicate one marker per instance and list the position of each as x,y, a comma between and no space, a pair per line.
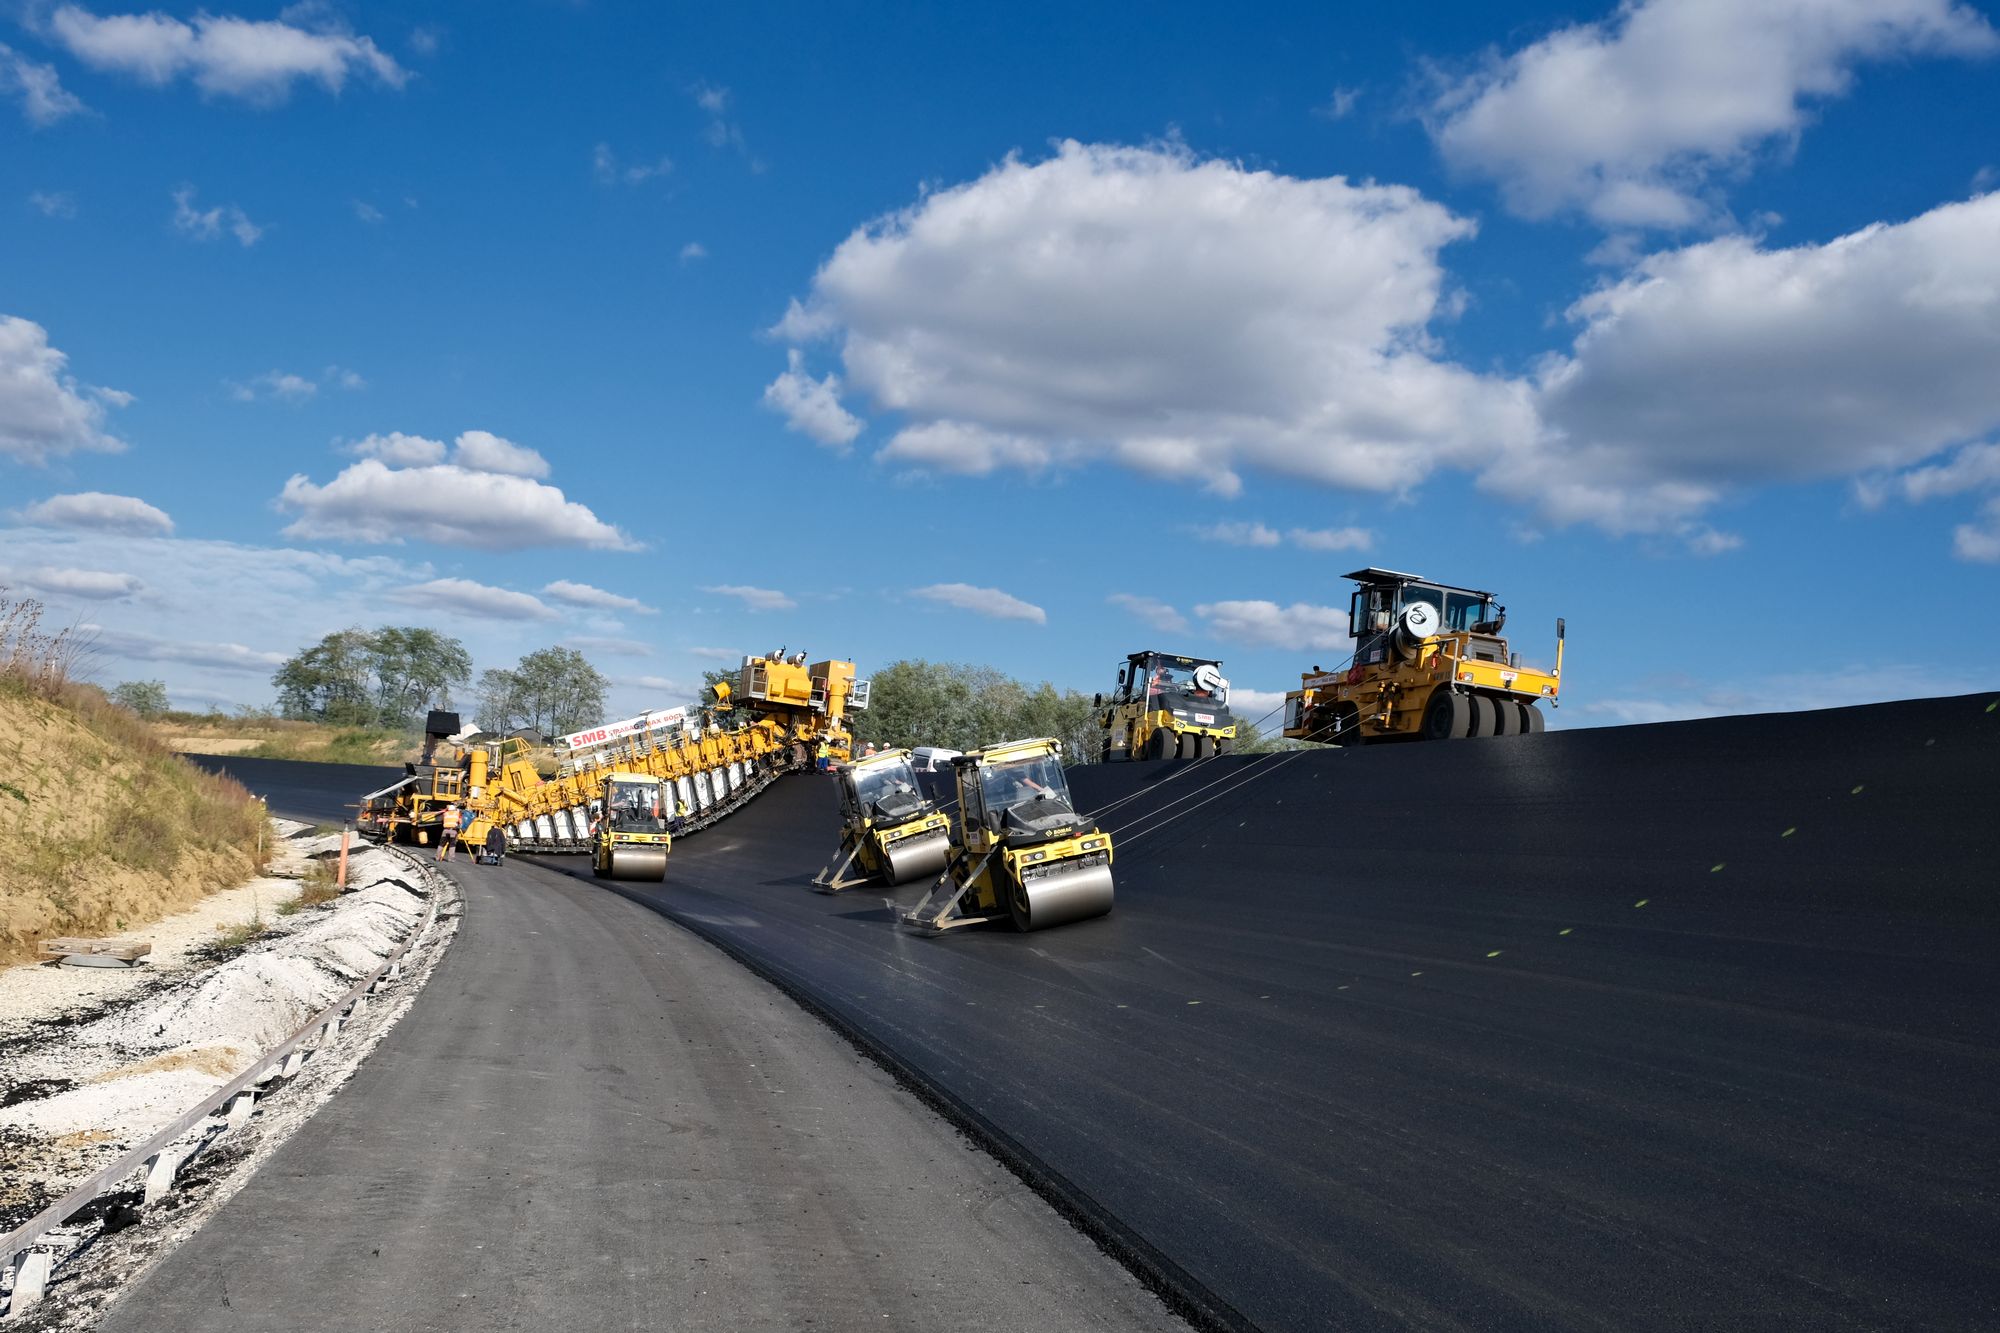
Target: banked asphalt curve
1671,1026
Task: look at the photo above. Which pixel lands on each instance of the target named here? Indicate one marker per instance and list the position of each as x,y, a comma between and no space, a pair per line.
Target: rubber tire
1163,744
1448,717
1510,717
1219,745
1532,721
1346,728
1486,715
1197,747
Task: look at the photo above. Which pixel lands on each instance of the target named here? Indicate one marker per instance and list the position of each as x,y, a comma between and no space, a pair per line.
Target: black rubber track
1680,1026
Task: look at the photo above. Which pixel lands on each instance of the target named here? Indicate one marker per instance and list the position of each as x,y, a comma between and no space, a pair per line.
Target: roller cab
1429,664
1167,706
630,840
1019,851
891,833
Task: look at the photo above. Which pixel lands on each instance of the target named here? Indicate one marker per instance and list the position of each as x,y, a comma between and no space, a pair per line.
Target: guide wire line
1143,818
1152,822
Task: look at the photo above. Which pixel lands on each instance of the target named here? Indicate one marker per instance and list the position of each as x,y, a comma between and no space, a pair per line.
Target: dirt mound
102,828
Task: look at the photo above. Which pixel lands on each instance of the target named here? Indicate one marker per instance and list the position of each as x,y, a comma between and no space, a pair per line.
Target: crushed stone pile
119,1077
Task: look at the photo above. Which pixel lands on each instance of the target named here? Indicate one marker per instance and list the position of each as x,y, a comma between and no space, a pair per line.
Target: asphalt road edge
1177,1288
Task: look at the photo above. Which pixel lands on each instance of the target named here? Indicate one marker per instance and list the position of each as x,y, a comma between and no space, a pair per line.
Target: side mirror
1098,702
1559,629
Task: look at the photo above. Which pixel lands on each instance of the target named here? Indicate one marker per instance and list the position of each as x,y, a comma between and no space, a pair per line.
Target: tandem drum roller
646,863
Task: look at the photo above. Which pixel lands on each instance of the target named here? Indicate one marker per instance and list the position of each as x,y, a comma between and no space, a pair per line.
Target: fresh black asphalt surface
590,1119
1678,1026
296,789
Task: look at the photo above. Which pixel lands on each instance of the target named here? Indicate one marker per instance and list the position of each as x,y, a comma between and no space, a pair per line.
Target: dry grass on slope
261,736
102,827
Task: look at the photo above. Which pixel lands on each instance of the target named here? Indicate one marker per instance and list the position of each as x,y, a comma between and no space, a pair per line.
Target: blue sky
1030,336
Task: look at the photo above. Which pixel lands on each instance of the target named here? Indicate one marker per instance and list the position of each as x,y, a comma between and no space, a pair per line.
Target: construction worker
447,833
825,754
868,750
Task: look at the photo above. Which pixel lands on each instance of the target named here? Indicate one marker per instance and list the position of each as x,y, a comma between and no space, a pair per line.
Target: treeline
961,706
390,677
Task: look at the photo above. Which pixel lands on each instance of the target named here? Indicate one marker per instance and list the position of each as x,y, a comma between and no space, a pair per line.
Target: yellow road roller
890,831
629,839
1019,851
1167,706
1429,664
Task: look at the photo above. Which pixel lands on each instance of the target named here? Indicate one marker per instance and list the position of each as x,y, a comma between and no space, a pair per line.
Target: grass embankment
103,828
259,736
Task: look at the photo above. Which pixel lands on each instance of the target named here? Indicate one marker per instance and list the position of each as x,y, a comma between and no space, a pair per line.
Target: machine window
1005,786
1462,610
888,788
1416,592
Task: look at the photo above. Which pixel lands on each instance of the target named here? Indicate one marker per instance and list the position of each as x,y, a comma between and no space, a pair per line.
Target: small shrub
240,934
319,885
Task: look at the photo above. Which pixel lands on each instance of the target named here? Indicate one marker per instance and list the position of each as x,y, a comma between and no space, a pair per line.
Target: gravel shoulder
98,1060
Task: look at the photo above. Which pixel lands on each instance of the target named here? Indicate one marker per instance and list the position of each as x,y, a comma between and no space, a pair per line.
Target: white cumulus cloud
400,450
1181,316
1724,364
466,597
370,501
483,451
608,170
1152,610
94,511
44,412
44,100
1306,539
989,602
582,594
291,387
754,599
137,647
1239,534
812,406
257,60
207,224
1268,625
96,585
1979,540
1629,118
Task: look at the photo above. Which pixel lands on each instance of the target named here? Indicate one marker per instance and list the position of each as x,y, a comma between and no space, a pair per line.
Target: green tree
415,670
383,677
553,691
328,682
962,707
147,698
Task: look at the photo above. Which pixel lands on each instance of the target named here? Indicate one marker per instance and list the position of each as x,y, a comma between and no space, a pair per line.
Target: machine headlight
1037,856
1092,844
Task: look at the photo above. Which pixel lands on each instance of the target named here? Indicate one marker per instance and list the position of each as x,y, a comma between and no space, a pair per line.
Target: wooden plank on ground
125,950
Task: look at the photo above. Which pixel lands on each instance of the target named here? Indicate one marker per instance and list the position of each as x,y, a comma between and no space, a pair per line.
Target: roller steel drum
1062,896
648,863
917,858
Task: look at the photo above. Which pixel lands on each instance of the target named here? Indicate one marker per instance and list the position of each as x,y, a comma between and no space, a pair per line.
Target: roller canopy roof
1373,576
